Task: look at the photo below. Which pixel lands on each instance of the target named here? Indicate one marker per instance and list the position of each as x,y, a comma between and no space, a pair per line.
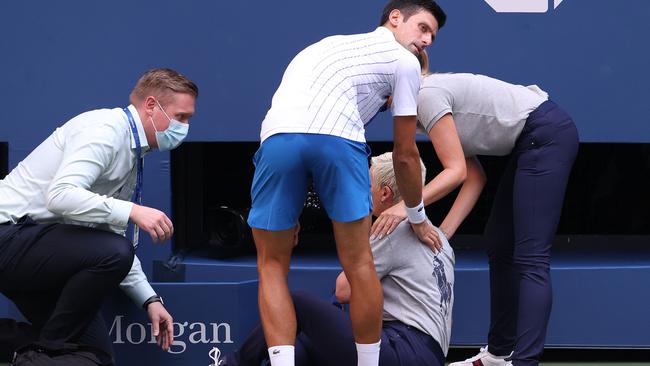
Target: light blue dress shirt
84,173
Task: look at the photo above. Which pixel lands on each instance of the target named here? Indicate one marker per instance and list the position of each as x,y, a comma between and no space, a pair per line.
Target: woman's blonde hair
423,57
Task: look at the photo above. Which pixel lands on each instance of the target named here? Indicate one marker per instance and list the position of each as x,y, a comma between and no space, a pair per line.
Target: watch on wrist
152,299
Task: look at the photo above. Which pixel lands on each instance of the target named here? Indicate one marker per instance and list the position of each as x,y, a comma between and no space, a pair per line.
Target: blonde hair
162,83
423,58
383,173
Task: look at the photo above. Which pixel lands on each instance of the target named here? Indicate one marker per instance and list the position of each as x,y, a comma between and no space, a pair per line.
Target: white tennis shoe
484,358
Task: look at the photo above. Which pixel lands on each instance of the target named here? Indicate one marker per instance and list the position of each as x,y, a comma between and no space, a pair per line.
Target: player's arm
406,163
406,157
406,160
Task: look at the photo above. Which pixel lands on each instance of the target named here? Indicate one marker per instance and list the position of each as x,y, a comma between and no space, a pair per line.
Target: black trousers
520,232
58,275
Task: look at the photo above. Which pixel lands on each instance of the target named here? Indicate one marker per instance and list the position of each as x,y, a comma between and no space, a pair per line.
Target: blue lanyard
137,194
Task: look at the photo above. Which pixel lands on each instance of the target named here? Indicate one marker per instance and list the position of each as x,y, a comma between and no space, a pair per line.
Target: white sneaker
214,354
484,358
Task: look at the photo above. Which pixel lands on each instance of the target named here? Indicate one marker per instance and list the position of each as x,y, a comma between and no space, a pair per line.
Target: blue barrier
600,299
205,315
600,295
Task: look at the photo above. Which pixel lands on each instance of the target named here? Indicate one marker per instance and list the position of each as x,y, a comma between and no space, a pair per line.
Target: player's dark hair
410,7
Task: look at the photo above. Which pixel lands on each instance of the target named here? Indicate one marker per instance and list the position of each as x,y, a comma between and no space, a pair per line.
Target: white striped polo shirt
337,85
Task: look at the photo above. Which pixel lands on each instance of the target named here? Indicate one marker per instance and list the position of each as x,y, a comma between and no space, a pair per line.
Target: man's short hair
383,173
161,83
410,7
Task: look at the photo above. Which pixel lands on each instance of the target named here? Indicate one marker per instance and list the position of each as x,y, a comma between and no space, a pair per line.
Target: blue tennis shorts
286,164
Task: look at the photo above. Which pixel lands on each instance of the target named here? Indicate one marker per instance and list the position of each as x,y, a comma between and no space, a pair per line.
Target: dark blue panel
590,293
588,288
205,315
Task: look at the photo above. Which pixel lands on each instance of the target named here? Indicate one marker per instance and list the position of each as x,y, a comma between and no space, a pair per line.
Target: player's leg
276,309
253,351
366,300
278,194
342,180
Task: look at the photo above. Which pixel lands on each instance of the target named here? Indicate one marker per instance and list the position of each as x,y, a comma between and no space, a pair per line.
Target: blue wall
63,57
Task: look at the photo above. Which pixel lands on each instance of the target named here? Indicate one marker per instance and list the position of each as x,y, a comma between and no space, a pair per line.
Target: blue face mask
174,134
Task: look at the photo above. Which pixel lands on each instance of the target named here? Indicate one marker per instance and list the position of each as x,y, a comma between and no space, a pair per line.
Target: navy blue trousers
58,275
520,233
325,339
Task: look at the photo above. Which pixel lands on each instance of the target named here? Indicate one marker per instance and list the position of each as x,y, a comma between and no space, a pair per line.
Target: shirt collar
141,134
385,32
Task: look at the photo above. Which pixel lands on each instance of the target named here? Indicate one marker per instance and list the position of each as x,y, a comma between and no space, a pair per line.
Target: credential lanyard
137,193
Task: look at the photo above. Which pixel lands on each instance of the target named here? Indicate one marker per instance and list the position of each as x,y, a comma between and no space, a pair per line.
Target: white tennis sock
368,354
281,355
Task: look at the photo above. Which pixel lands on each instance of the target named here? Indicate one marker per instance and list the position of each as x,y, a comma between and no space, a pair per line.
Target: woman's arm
445,140
444,137
466,199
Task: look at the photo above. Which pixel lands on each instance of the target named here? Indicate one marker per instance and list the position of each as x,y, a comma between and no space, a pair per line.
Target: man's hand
153,221
162,325
388,221
427,235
